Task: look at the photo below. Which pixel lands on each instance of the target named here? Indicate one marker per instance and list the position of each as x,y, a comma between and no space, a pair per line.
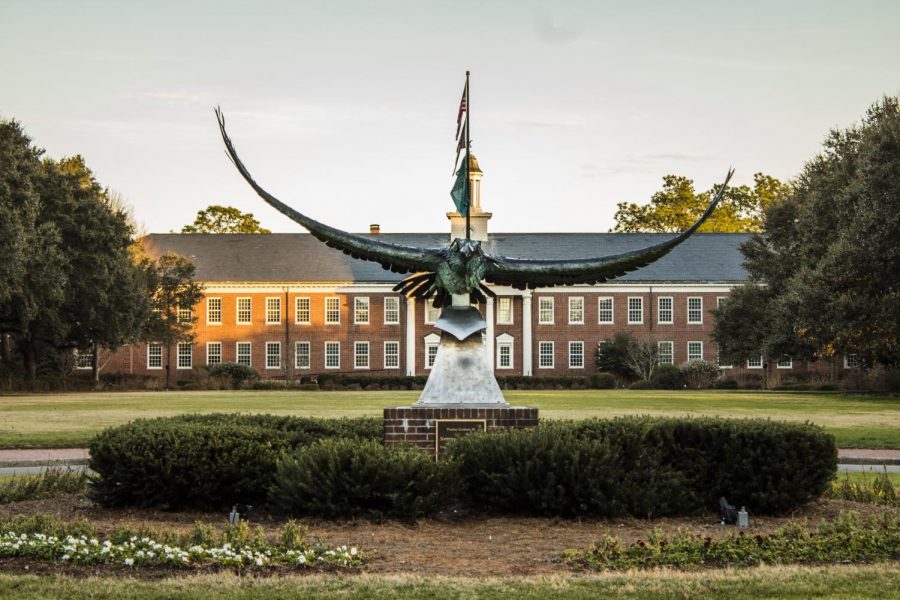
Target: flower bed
144,551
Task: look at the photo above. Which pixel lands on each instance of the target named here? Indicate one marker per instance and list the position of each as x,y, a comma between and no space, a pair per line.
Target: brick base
415,425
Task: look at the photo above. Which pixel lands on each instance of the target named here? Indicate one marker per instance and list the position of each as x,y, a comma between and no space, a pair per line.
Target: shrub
726,383
642,385
699,374
52,482
349,478
603,381
204,461
234,373
668,377
547,471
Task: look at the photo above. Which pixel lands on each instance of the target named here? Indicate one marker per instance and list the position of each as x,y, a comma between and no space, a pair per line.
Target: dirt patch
450,545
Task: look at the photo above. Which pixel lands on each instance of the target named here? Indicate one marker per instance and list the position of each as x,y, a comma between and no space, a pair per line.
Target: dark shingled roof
705,257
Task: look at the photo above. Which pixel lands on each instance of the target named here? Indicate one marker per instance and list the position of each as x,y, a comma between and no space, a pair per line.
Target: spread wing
530,273
395,257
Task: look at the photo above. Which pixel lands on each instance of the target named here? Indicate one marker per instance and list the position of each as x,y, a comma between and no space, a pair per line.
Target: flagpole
468,180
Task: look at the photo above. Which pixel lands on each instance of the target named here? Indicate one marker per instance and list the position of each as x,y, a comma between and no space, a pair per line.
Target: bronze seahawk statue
462,267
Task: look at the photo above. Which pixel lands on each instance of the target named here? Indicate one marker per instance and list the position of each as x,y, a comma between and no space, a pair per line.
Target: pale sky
346,110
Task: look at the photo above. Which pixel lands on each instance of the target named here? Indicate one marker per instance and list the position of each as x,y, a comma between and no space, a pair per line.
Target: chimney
374,228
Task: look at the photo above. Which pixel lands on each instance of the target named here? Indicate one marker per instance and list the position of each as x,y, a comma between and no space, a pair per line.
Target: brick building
289,306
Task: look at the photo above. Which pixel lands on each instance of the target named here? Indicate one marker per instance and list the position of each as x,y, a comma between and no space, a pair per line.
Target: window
431,349
243,311
695,350
301,355
332,311
361,311
504,311
301,310
214,353
785,362
185,355
213,311
545,310
154,355
243,353
720,300
664,311
695,310
392,355
719,359
576,355
755,363
666,353
851,361
332,355
432,314
545,355
273,355
576,310
504,351
273,311
635,311
391,310
360,355
84,359
184,315
605,310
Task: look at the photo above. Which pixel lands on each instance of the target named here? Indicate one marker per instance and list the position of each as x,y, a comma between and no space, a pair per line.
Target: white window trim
612,310
427,306
338,322
790,364
386,300
431,340
356,311
552,364
384,355
208,344
700,298
552,310
628,309
576,298
237,310
507,341
297,320
278,300
219,322
308,354
583,358
688,347
368,366
268,368
338,366
659,353
161,361
762,361
659,310
720,300
76,355
512,317
237,354
178,366
847,364
719,360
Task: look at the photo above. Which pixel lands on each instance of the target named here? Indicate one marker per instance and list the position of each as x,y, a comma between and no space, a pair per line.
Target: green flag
460,191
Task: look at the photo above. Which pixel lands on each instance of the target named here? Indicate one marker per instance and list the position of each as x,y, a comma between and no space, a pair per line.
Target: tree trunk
5,348
29,358
95,363
168,363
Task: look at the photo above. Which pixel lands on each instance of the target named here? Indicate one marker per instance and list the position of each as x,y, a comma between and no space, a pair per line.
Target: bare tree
643,357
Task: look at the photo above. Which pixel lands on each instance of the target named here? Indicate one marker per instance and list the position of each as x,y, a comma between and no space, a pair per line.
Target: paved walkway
14,458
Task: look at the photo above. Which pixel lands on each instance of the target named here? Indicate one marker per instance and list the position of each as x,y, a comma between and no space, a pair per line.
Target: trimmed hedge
646,466
350,478
204,461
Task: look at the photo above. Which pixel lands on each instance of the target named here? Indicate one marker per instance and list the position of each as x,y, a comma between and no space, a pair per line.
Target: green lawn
827,582
63,420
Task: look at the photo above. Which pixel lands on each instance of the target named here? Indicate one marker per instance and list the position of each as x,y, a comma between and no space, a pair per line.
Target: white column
526,334
410,337
489,335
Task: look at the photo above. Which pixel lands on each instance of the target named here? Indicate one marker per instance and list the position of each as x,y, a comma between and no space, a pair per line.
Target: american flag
462,110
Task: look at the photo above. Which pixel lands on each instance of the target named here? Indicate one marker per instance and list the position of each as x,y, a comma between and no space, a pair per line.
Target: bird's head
468,248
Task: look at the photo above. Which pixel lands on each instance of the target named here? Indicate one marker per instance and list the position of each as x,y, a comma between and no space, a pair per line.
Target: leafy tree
678,205
613,355
223,219
826,268
171,279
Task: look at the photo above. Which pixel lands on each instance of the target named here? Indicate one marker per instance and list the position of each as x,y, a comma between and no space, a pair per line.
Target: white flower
259,561
129,562
65,557
301,559
353,551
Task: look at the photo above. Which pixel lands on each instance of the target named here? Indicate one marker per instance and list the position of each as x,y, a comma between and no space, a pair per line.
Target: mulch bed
447,545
